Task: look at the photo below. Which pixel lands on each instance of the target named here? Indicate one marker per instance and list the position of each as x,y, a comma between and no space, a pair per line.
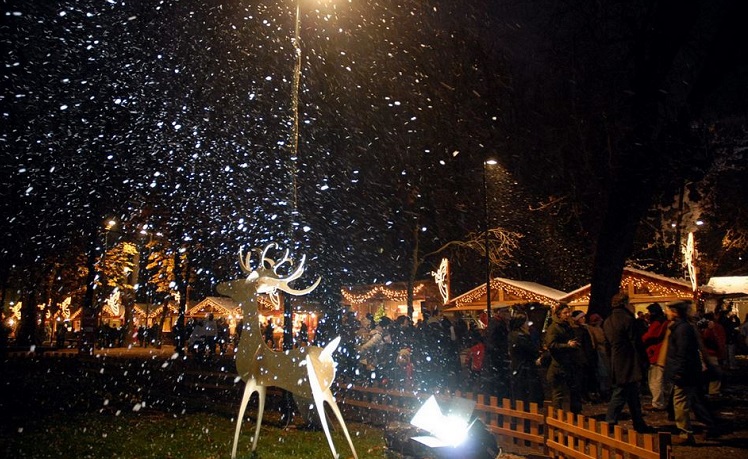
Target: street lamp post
487,257
287,307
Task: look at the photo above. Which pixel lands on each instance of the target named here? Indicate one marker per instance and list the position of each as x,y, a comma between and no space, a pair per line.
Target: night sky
177,114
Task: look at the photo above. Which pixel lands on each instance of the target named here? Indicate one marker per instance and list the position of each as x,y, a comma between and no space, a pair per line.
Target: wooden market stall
504,292
532,298
391,299
731,291
642,287
228,309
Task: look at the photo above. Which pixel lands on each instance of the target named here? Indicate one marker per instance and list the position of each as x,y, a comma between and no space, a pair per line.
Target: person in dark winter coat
495,367
623,343
562,373
523,353
683,368
586,355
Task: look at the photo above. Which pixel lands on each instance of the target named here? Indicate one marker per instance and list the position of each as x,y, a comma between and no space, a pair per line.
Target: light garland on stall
496,284
639,283
653,287
392,295
155,312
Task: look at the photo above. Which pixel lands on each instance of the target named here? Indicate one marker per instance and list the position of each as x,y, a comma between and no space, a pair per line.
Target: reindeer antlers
271,283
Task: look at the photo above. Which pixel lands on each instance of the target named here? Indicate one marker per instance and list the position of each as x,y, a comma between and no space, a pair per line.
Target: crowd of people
669,352
208,337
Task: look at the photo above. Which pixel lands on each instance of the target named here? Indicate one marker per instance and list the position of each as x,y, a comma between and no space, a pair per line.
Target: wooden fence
518,428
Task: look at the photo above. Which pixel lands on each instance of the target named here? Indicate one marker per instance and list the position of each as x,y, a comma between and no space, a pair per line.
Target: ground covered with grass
136,409
188,436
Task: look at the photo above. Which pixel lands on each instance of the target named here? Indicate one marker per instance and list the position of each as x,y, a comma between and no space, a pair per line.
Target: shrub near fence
518,428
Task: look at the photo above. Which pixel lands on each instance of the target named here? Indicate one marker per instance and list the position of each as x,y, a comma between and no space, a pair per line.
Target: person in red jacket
475,357
715,343
653,339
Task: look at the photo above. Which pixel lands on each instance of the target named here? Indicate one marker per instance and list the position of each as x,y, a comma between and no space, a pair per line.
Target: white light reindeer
307,372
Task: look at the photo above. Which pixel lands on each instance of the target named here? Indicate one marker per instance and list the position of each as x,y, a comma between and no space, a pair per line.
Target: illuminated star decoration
113,302
440,277
65,308
689,255
16,310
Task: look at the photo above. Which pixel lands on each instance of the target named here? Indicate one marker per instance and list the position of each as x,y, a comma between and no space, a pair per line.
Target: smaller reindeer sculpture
307,372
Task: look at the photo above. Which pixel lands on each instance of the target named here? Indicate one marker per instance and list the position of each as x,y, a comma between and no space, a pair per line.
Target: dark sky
178,114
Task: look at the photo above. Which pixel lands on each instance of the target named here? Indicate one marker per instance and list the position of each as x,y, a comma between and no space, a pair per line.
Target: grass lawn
187,436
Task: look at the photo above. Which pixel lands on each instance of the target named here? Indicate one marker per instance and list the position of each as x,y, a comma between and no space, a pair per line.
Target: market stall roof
222,306
641,286
728,285
392,291
504,292
218,305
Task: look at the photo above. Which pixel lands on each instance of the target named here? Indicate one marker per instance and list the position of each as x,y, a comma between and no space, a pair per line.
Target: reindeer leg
319,402
249,387
261,391
334,406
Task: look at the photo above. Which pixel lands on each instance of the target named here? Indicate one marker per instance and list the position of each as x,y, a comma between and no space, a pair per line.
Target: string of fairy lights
496,285
639,284
381,290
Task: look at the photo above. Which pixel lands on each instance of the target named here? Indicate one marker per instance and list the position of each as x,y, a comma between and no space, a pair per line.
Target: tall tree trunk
88,309
27,330
180,274
416,262
670,62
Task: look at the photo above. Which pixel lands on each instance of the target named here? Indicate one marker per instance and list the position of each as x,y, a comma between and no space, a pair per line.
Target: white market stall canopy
728,285
731,291
505,292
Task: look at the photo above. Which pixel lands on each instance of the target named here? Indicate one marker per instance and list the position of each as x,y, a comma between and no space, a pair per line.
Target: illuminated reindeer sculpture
307,372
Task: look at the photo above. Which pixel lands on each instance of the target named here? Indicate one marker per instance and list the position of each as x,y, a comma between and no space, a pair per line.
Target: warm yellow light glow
65,308
393,295
113,303
497,285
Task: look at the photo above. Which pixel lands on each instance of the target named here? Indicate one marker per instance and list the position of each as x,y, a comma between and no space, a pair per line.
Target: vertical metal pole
287,308
485,241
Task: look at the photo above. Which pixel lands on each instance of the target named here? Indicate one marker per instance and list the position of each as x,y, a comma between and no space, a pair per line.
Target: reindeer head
266,277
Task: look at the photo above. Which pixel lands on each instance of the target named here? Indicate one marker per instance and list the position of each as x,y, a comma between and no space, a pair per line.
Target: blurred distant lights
698,223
